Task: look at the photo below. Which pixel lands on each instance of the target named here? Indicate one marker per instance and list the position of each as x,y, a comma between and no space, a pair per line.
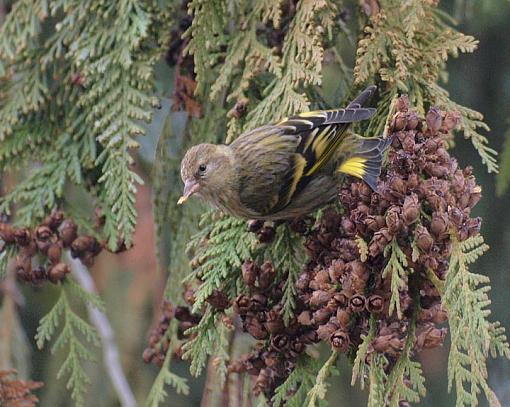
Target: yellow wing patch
298,119
313,113
304,115
310,139
321,144
354,166
299,167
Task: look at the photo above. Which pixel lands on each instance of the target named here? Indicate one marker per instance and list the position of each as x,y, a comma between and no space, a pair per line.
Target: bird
287,169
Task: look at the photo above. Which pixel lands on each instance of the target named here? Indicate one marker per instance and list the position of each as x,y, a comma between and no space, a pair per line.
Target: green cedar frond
206,36
31,138
49,323
473,337
26,90
377,379
46,116
118,68
220,249
119,195
247,52
298,383
473,248
270,10
87,297
73,328
286,253
20,28
315,397
359,367
396,270
43,188
211,339
408,43
406,381
158,394
301,62
39,191
200,347
470,123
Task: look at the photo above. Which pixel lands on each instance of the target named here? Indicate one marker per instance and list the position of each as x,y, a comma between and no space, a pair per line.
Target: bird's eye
202,168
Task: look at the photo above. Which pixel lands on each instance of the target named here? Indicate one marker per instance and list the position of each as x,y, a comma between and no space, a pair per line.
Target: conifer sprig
317,394
90,80
473,336
207,340
158,394
299,383
206,36
63,315
302,55
406,381
377,379
287,256
360,367
220,249
396,270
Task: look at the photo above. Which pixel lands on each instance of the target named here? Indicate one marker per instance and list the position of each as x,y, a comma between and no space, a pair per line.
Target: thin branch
7,317
3,12
110,348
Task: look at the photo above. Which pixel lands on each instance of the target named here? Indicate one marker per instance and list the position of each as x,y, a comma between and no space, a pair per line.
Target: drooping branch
111,357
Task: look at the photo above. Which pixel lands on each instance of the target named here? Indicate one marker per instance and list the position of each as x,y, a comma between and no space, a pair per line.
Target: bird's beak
190,187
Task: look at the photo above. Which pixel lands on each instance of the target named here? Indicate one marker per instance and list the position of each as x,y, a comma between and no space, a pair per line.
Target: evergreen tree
372,276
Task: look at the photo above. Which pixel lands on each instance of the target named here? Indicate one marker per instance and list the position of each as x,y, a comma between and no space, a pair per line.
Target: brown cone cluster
261,314
17,393
48,240
159,339
265,231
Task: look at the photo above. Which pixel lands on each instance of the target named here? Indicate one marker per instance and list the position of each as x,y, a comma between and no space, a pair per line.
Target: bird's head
206,171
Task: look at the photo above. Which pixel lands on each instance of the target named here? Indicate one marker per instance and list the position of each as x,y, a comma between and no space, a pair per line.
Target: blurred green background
131,286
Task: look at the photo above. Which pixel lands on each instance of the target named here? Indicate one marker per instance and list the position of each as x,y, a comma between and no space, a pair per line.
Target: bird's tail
366,161
362,98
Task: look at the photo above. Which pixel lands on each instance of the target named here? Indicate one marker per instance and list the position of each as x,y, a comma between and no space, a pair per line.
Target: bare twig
110,348
7,312
3,11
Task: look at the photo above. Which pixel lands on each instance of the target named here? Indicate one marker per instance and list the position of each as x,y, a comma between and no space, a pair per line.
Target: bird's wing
276,162
321,134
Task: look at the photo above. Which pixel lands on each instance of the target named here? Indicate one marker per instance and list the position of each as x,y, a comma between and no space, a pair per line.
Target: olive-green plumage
287,169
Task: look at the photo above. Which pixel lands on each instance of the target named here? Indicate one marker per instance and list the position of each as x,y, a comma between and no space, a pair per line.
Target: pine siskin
285,170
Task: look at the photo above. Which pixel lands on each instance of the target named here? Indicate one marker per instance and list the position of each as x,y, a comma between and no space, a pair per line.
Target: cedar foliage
74,91
272,82
76,82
